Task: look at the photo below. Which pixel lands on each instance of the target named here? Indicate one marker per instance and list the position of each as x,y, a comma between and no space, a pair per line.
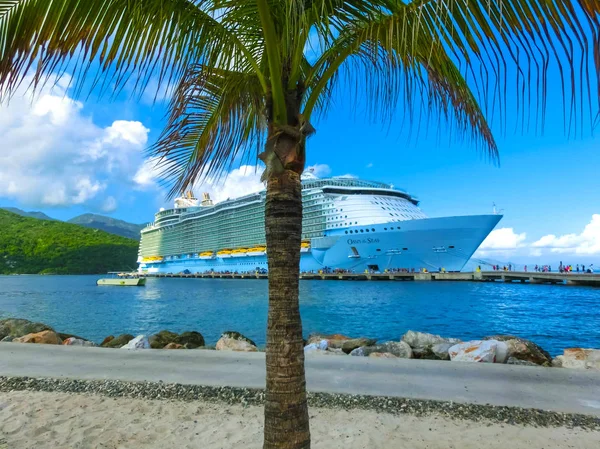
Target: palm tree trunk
286,411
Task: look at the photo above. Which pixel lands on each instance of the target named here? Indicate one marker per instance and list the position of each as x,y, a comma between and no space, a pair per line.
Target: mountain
31,214
29,245
107,224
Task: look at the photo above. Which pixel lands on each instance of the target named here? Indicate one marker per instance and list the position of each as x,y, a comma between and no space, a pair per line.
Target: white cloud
109,204
588,242
54,155
319,170
238,182
503,239
369,165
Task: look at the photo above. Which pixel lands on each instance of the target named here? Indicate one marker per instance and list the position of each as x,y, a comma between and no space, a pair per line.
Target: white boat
122,280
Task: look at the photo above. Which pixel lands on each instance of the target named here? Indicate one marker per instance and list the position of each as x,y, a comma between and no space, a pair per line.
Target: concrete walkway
559,390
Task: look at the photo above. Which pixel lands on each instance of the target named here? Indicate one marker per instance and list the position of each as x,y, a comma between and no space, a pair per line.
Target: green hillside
29,245
108,224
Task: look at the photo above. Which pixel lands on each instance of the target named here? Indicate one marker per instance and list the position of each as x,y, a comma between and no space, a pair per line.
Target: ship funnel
206,201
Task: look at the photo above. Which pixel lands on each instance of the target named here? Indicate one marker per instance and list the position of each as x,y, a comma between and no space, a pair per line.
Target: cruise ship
348,224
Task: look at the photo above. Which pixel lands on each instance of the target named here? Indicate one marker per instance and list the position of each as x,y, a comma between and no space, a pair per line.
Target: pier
588,279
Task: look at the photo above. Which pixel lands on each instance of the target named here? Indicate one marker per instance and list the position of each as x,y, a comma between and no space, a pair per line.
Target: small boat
122,280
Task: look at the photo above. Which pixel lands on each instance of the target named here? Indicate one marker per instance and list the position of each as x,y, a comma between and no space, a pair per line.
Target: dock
586,279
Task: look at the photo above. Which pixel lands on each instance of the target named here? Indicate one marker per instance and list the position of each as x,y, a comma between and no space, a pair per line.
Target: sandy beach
63,420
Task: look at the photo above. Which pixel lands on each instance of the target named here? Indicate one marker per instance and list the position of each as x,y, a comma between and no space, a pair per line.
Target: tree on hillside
244,86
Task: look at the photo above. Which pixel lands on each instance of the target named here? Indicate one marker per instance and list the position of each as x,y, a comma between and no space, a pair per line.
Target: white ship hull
429,243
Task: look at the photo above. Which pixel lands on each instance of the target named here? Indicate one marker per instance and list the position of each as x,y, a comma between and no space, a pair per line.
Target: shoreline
255,397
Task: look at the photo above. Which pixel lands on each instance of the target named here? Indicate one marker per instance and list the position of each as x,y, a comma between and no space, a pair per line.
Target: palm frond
488,41
134,38
215,117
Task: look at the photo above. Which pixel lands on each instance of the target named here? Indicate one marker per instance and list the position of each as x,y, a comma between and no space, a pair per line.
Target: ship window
367,230
404,249
385,229
392,229
362,230
373,229
451,246
346,232
378,249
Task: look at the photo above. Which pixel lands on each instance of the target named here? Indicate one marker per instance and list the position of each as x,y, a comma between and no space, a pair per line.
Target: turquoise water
556,317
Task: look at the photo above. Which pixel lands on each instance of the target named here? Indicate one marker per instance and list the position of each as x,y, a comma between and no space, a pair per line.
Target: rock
501,351
18,327
234,341
237,336
383,355
118,342
400,349
107,340
7,339
514,361
474,351
349,345
578,358
317,346
333,340
72,341
191,340
162,339
173,346
44,338
440,350
64,337
522,349
139,342
421,343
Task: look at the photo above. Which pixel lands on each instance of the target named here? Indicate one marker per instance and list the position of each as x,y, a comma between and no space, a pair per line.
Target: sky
66,156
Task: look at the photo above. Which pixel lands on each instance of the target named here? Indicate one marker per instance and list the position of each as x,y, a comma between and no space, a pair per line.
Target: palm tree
252,76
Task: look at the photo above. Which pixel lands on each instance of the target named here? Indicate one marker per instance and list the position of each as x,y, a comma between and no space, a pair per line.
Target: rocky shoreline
250,397
503,349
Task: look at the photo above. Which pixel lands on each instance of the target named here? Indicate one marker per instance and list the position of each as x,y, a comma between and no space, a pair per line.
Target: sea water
555,317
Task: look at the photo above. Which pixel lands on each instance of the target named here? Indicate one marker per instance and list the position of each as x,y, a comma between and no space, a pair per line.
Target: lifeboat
305,246
257,251
239,252
152,259
224,253
207,255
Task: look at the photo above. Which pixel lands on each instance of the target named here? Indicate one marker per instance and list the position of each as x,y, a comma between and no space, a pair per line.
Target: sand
78,421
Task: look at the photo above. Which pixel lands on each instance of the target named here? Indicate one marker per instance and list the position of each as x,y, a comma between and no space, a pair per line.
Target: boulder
578,358
118,342
525,350
173,346
162,339
440,350
73,341
191,340
383,355
44,337
18,327
333,340
7,339
139,342
399,349
107,340
64,337
317,346
422,343
514,361
349,345
485,351
234,341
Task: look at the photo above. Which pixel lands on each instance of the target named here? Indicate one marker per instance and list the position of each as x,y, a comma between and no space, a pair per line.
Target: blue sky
67,157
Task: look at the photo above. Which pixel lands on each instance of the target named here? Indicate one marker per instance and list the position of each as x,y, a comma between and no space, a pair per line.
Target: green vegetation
108,224
29,245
